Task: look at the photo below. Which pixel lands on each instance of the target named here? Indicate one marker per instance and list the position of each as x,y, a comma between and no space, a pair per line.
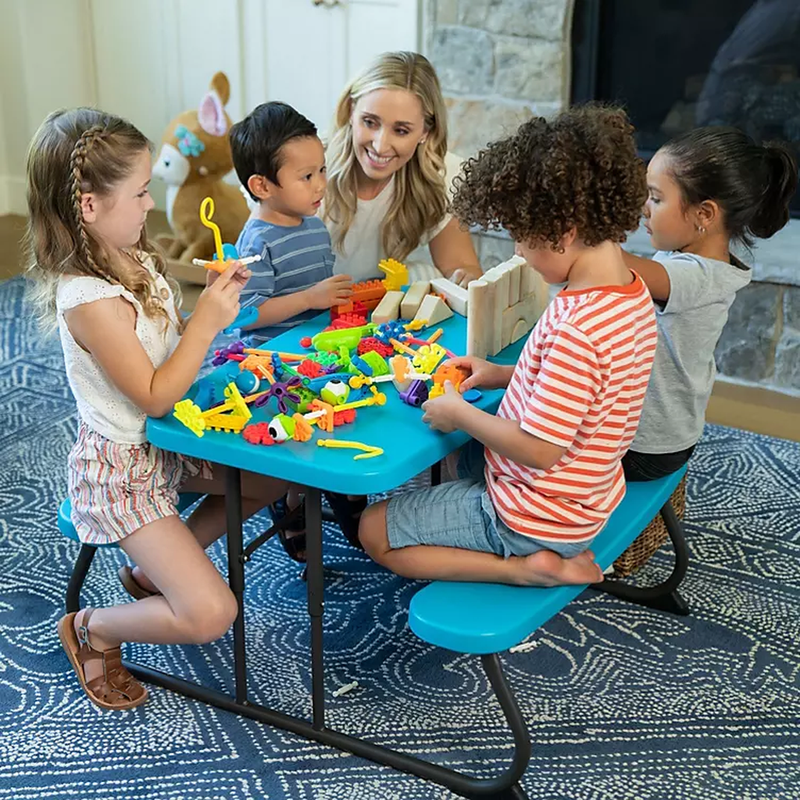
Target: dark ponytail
773,211
752,184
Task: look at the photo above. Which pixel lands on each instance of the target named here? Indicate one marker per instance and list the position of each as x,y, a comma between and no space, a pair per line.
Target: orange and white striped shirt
580,383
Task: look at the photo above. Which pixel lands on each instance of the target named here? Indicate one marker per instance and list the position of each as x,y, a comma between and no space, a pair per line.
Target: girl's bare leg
208,522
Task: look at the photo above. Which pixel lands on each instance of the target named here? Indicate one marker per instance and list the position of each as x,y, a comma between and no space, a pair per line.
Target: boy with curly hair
540,478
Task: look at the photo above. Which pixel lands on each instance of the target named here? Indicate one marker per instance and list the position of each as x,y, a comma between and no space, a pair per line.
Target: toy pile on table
340,373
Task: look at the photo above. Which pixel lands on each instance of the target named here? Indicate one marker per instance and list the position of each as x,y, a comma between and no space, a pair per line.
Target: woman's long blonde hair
420,195
74,152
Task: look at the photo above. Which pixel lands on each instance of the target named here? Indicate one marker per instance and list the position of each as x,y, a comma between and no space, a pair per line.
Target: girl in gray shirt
706,189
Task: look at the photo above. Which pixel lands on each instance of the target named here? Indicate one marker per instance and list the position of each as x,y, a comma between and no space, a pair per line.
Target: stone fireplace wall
501,62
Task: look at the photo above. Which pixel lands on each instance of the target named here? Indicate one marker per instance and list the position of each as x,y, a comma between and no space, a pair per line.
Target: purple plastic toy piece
416,394
281,392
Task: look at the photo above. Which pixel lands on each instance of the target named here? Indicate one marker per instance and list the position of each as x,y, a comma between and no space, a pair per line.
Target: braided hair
75,152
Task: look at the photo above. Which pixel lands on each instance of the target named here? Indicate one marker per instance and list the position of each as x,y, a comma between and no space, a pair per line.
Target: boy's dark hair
753,184
257,140
578,170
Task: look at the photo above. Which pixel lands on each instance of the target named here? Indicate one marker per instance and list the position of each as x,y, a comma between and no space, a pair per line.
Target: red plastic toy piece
309,368
258,433
305,341
344,417
376,345
352,307
351,320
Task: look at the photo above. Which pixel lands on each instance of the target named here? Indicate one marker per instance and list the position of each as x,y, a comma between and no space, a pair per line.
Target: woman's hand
461,277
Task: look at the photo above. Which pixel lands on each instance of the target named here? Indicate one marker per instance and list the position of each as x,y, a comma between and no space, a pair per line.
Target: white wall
148,60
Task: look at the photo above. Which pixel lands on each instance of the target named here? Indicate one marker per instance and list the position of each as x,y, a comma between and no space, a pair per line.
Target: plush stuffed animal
195,155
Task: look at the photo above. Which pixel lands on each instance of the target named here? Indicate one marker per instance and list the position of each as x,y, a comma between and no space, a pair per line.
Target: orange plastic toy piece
369,293
258,365
450,372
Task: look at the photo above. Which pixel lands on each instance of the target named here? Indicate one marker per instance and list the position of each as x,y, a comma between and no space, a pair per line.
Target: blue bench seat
483,618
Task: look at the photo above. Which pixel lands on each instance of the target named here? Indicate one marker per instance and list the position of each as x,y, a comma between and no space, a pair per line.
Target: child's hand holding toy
482,373
333,291
443,412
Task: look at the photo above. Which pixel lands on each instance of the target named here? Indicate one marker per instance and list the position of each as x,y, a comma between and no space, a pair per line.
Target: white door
313,47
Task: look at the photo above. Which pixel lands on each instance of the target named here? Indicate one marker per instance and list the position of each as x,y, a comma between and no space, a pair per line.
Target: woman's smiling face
388,124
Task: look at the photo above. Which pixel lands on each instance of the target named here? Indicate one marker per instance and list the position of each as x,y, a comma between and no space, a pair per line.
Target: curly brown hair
579,170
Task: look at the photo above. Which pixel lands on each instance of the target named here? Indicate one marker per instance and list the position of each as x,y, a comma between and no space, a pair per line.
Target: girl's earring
701,229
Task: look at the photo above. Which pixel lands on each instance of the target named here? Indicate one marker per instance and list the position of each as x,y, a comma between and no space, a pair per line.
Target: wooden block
519,330
457,297
499,278
479,318
413,300
528,280
434,310
519,319
514,270
388,309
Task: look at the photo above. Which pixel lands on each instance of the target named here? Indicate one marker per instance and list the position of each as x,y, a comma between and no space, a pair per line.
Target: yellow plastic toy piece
416,325
436,335
206,213
302,429
228,423
437,390
427,357
402,348
377,399
396,274
357,381
190,415
235,402
370,451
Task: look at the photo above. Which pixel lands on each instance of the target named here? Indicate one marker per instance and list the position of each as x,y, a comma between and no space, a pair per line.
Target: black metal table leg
316,590
79,572
233,511
663,596
503,787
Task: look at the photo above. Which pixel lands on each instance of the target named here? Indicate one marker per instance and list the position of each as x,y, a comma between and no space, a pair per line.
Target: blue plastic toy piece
246,382
361,365
472,395
247,316
229,253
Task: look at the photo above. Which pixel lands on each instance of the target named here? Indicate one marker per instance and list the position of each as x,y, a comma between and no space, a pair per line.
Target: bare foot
547,568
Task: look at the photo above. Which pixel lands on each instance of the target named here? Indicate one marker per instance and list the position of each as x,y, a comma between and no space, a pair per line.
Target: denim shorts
460,514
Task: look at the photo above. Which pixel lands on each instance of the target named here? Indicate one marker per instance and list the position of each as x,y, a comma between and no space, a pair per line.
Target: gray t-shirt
689,326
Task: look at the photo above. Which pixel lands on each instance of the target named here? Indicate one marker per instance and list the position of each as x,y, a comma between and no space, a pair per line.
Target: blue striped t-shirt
292,259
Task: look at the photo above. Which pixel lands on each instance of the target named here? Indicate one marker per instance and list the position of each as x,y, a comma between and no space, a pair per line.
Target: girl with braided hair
128,355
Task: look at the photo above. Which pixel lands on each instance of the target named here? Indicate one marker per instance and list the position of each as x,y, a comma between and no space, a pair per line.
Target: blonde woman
389,175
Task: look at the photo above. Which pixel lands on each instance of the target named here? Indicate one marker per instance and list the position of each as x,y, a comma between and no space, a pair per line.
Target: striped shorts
115,489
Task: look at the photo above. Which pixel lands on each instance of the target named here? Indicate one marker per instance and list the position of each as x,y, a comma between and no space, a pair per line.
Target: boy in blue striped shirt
281,162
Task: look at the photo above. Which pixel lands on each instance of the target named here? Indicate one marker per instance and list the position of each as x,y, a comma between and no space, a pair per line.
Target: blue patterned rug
622,702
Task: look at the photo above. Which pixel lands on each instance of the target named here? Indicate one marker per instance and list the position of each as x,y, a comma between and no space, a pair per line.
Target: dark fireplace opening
679,64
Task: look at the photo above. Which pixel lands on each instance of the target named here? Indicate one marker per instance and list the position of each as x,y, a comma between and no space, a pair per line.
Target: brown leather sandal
132,586
116,688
